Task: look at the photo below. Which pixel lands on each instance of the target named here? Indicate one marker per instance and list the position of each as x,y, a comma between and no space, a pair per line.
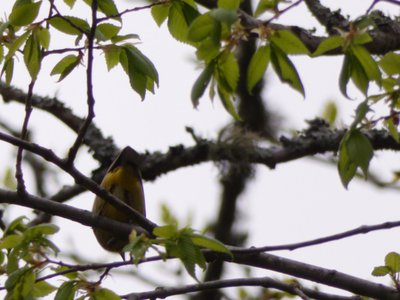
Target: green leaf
41,230
390,85
209,48
16,45
167,231
65,66
201,84
70,275
362,38
10,241
355,151
358,75
8,69
345,75
369,65
229,4
140,70
257,67
361,111
381,271
167,216
201,28
285,69
14,278
160,13
111,54
390,63
227,101
330,112
137,247
228,71
104,294
43,35
180,16
24,14
106,31
264,5
1,54
140,62
108,7
32,56
24,287
13,260
66,291
42,289
329,44
121,38
9,180
392,261
187,254
70,3
347,169
226,16
209,243
70,25
360,150
288,42
17,225
393,130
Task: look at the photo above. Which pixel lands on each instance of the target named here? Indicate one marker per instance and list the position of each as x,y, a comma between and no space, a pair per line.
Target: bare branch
89,88
335,237
24,133
320,275
81,216
81,179
265,282
103,147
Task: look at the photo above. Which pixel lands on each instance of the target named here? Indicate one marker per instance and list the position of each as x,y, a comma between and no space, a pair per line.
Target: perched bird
123,179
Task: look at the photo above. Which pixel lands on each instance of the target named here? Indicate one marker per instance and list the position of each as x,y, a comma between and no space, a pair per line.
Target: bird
124,180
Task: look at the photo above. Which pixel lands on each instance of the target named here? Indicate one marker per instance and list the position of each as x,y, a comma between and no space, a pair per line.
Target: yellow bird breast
124,182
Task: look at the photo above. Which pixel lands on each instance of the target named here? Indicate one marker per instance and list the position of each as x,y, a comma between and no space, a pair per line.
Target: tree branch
89,88
334,237
81,179
103,148
320,275
81,216
317,139
265,282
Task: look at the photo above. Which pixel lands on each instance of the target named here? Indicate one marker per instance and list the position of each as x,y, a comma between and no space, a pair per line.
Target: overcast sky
297,201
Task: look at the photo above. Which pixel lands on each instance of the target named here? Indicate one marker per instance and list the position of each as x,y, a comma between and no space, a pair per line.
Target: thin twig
279,13
81,179
24,132
335,237
396,2
80,268
89,86
132,10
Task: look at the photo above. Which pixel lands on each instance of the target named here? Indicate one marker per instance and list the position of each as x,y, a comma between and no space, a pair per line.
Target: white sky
297,201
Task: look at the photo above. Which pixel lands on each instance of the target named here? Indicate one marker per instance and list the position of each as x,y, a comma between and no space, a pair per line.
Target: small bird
123,179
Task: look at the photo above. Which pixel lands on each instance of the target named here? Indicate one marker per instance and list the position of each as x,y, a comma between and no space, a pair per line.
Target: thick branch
385,37
320,275
326,17
81,216
318,139
265,282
